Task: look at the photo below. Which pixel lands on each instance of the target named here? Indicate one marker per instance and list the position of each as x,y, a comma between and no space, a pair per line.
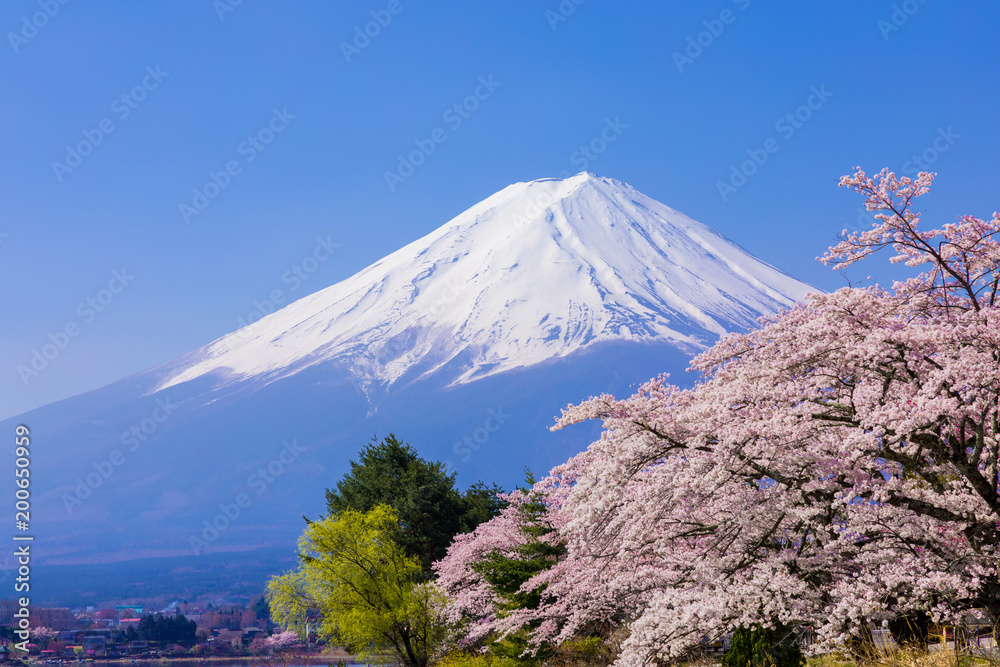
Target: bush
587,651
467,659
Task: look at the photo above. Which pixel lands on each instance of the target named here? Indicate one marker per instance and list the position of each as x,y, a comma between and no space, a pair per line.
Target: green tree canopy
160,628
356,580
430,509
480,504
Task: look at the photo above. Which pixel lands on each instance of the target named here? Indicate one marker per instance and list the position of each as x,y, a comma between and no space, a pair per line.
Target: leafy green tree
362,587
260,609
431,511
764,647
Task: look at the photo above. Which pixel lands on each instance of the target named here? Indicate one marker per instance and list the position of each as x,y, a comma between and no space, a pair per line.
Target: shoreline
249,661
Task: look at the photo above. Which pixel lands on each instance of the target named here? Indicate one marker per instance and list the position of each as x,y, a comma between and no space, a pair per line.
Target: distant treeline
159,628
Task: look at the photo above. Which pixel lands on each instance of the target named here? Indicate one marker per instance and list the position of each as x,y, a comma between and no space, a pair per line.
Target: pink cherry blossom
836,466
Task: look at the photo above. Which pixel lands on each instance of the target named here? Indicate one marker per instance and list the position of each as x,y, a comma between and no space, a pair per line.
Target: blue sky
885,81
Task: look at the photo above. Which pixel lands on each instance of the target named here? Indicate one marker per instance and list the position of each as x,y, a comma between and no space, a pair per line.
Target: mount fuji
538,271
465,343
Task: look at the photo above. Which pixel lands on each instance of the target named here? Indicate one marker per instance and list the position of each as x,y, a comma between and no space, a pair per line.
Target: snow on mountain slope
537,271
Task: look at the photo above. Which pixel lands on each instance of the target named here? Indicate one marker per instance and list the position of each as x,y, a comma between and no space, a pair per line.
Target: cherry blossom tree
487,570
42,634
275,643
281,640
835,467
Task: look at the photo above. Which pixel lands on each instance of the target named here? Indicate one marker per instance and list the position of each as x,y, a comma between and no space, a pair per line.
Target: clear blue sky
897,87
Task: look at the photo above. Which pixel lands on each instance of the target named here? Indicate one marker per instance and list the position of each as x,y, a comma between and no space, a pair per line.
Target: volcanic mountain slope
466,343
537,271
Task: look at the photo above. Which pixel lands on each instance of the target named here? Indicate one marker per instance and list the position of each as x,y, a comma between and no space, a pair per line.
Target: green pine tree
430,509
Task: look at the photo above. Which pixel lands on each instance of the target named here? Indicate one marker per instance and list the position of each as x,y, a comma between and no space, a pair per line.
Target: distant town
133,631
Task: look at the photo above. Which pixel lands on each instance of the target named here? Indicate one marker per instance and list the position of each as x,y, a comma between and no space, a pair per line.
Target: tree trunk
411,655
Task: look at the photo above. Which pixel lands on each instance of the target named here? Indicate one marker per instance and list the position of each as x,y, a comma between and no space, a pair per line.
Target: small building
117,650
228,636
249,634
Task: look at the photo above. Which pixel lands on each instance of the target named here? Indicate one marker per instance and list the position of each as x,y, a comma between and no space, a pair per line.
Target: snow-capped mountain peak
537,271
